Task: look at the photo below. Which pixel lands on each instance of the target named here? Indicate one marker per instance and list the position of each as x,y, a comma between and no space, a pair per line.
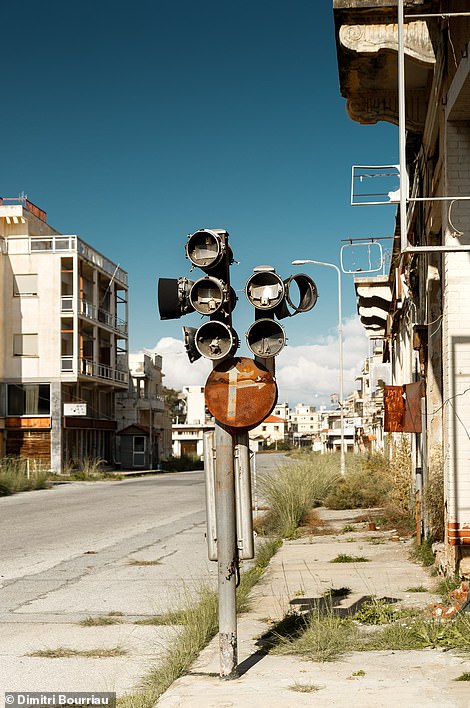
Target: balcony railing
99,315
58,243
103,371
93,369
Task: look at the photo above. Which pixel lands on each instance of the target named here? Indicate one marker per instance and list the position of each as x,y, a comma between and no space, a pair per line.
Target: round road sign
240,393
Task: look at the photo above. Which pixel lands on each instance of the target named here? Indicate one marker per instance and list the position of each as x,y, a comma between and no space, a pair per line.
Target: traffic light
273,298
210,295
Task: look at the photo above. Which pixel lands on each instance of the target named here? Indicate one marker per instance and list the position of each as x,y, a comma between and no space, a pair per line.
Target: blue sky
134,124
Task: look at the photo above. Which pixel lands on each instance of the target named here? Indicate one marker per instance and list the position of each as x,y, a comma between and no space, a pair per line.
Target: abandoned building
409,63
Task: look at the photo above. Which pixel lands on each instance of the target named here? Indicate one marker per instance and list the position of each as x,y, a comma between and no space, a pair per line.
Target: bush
183,463
20,475
365,484
292,490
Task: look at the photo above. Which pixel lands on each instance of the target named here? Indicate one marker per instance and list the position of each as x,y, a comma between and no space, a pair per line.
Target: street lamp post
340,338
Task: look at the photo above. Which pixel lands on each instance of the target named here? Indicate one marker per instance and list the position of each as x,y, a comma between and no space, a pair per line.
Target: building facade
63,343
424,316
188,435
144,425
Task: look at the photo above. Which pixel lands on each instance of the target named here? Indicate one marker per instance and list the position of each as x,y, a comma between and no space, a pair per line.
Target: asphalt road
136,547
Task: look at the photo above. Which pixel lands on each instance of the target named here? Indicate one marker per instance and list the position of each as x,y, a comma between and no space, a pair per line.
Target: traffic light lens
265,290
265,337
205,248
216,340
306,294
207,295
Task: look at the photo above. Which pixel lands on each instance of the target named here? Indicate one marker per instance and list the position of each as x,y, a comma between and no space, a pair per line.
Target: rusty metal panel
394,405
240,393
413,395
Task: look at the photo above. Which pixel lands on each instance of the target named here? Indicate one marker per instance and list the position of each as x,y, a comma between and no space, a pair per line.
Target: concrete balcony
94,370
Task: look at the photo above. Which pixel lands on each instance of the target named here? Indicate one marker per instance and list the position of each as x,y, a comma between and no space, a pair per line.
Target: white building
63,341
144,426
188,436
305,426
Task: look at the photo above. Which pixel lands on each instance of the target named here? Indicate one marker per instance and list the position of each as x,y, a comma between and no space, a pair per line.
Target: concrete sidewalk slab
296,578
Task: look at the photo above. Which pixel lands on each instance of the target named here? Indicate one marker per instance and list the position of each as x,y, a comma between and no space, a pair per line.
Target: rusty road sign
240,393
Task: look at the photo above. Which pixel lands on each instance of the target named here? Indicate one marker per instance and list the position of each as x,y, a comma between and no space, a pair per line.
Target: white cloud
310,373
178,370
305,374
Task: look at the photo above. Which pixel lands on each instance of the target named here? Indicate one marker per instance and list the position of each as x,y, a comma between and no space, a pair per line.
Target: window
28,399
25,345
25,285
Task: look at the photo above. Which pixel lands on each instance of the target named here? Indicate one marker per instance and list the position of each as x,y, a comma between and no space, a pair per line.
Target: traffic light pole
227,560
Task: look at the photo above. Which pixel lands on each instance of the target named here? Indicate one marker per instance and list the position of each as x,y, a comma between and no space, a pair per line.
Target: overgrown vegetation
310,479
434,495
198,624
67,652
183,463
322,635
345,558
20,475
292,490
423,552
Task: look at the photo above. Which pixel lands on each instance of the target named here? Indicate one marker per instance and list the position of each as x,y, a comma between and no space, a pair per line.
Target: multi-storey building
421,309
305,426
63,341
144,425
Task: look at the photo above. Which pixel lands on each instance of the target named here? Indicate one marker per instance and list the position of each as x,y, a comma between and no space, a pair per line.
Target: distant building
144,425
305,426
63,341
272,430
188,436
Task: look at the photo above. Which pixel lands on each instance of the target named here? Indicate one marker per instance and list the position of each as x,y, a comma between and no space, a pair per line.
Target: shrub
365,484
20,475
292,489
434,495
183,463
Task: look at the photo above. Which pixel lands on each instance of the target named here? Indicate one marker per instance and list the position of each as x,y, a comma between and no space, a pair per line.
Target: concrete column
56,427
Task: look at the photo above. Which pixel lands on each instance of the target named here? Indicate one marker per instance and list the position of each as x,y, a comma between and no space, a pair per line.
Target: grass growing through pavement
304,687
344,558
173,617
67,652
101,620
199,625
324,636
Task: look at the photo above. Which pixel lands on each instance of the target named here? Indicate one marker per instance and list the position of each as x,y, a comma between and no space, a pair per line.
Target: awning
373,303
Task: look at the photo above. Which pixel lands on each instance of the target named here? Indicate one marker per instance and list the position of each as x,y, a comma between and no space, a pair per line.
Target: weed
167,618
91,468
292,490
67,652
99,621
143,562
20,475
445,586
376,611
423,553
199,627
463,677
345,558
304,687
348,528
359,673
364,484
326,637
417,588
434,494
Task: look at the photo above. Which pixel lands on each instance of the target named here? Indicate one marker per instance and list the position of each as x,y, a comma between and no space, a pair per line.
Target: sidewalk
298,573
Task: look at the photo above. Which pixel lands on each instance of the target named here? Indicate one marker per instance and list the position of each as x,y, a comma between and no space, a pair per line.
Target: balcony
94,370
60,243
97,314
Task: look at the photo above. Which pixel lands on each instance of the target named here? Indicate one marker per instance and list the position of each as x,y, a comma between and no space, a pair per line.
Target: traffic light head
208,248
174,297
210,295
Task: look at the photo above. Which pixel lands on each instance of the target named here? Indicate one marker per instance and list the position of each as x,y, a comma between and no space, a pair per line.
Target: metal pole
227,560
402,128
341,377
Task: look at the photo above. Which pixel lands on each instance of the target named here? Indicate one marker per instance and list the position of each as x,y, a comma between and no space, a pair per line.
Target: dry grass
68,652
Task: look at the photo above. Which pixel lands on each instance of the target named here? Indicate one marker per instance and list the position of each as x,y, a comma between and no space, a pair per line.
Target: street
135,547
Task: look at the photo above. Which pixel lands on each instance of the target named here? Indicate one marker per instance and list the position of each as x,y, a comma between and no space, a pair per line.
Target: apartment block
63,341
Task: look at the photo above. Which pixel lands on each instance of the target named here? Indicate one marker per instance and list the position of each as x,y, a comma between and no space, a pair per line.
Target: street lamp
340,339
